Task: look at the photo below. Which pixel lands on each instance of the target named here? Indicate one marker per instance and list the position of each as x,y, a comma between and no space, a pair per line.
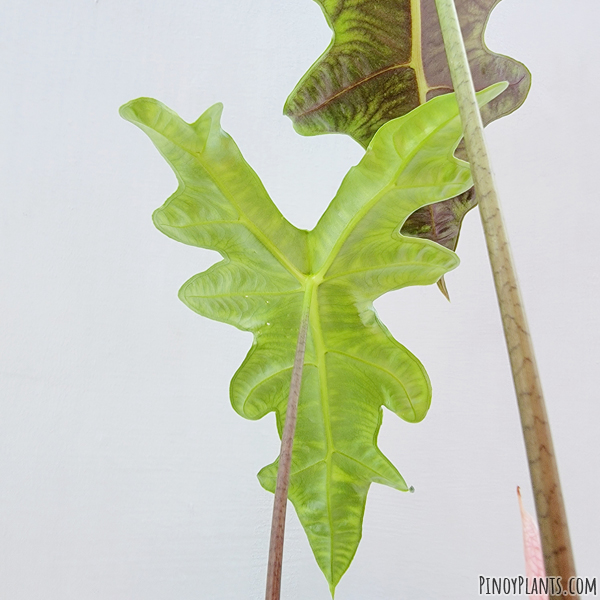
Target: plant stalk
556,545
285,460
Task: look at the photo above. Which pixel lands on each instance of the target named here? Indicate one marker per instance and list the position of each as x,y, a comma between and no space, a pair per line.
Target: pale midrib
360,214
415,63
416,55
320,351
283,260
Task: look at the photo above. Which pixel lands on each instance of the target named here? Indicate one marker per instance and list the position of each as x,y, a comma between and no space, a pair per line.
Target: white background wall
124,472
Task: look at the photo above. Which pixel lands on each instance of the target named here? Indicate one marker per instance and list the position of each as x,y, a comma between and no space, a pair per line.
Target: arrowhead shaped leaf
385,59
353,366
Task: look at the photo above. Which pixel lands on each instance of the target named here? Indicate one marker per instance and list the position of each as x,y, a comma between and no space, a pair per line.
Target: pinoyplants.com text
515,586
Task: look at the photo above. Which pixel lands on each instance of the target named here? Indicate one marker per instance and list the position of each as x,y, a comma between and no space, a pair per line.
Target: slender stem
285,461
558,556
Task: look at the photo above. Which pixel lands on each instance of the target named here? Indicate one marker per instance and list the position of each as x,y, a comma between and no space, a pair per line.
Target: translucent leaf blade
208,164
353,365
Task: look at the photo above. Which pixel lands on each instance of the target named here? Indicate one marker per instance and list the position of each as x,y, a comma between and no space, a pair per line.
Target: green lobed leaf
353,365
385,59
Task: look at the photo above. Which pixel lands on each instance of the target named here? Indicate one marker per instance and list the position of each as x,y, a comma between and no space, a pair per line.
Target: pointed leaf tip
140,110
208,125
353,256
214,113
148,112
489,93
443,288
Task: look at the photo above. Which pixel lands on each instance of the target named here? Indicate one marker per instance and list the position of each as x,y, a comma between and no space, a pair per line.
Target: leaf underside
353,365
385,59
